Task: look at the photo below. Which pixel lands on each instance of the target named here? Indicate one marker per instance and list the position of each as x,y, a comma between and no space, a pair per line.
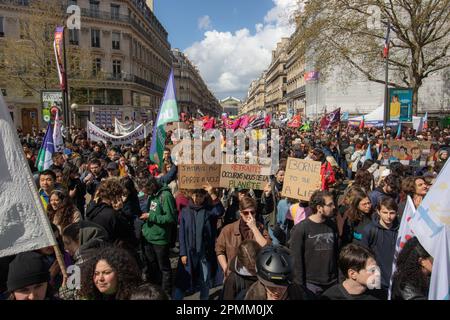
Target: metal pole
67,117
386,90
317,99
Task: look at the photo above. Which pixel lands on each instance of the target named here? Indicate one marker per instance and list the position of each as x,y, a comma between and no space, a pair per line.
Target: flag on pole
386,41
295,122
425,121
429,222
58,141
368,153
361,124
58,45
24,225
168,112
330,119
399,131
44,159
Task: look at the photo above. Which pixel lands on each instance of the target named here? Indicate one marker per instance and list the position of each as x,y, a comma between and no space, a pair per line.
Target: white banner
97,134
58,141
124,128
24,226
431,219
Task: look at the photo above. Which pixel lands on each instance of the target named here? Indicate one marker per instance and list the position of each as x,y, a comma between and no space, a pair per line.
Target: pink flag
236,124
209,124
244,121
267,120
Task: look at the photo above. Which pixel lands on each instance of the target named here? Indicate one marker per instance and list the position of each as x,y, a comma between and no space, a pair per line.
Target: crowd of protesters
121,218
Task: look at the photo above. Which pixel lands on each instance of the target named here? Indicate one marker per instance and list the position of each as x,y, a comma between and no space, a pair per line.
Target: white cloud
204,23
229,61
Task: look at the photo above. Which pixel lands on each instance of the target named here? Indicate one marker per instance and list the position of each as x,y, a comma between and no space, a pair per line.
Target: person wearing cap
28,277
113,169
274,273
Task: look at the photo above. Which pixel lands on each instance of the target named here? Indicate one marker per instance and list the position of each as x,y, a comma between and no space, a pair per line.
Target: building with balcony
276,79
192,93
296,89
130,61
255,100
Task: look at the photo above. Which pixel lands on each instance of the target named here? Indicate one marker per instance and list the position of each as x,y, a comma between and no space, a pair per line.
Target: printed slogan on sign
243,176
301,179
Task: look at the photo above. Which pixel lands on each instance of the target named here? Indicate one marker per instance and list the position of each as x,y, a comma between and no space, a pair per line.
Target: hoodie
162,214
111,220
382,242
91,237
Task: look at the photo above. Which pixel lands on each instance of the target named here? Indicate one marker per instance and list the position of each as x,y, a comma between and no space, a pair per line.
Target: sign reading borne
302,178
244,176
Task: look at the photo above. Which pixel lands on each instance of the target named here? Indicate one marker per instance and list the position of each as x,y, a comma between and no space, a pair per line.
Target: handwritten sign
301,179
195,176
243,176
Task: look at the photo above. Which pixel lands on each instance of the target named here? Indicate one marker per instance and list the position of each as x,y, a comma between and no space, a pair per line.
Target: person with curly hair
61,210
105,210
364,179
113,274
416,188
411,280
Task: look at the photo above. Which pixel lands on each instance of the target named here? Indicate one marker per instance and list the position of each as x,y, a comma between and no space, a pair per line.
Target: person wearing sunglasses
246,228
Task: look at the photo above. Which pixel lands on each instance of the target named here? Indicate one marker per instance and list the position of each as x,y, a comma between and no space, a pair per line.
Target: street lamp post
74,108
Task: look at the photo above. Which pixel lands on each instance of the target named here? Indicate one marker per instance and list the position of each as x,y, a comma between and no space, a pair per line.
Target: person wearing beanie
28,277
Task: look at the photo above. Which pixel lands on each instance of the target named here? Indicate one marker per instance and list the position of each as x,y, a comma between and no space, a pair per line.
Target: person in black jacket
359,267
314,246
381,236
94,177
243,271
411,280
388,187
105,210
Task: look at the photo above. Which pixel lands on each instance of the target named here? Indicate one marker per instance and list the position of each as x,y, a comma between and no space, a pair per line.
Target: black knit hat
26,269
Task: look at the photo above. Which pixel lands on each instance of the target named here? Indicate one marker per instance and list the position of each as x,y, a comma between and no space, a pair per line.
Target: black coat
113,221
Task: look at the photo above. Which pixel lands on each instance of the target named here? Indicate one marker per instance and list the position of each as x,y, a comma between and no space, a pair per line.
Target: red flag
209,124
361,124
267,120
295,122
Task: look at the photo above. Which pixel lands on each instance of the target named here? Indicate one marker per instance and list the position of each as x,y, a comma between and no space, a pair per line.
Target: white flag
404,234
430,221
440,277
24,226
58,141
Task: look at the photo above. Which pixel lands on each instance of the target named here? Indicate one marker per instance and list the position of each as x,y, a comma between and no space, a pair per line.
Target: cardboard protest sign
244,176
302,178
195,176
172,126
413,153
24,225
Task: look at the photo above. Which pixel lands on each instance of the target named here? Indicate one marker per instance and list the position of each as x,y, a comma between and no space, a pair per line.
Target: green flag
167,113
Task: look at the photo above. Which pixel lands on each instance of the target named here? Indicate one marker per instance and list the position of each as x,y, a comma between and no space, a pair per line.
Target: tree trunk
415,99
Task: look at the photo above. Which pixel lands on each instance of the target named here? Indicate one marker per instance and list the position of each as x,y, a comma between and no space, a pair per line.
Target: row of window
74,38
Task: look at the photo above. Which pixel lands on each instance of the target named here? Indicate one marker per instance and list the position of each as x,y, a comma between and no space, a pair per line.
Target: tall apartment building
296,88
130,62
192,93
276,79
255,100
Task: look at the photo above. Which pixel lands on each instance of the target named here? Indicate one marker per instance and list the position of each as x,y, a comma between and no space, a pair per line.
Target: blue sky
180,17
231,41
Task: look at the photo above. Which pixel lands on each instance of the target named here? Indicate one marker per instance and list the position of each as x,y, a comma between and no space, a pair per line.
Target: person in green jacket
159,219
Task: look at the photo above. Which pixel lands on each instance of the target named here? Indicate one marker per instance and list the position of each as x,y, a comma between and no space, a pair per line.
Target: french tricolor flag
386,42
